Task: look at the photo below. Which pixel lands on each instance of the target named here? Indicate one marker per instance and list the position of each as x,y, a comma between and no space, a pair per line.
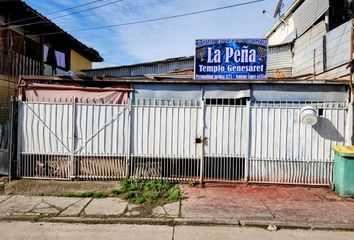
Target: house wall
284,33
78,62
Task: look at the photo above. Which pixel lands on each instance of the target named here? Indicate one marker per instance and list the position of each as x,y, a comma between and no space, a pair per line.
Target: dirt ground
54,188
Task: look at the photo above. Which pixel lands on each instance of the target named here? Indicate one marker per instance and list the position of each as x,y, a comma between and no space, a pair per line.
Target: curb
279,224
333,226
205,222
89,220
184,222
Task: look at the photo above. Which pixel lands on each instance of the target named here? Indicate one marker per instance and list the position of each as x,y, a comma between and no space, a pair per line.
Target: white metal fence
180,140
283,150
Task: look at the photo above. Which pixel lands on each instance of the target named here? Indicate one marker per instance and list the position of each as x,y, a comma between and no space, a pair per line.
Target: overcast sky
161,39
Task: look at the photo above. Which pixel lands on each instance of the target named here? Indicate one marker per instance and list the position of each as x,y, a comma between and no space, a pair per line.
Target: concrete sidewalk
287,207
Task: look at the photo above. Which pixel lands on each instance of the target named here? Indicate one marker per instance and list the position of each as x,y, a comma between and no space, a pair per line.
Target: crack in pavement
271,213
5,199
52,206
173,232
70,205
83,209
180,208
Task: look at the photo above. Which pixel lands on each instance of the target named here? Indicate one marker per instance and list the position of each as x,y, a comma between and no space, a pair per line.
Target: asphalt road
53,231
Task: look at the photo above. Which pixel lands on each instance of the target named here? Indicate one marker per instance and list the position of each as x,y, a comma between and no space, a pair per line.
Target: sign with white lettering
231,59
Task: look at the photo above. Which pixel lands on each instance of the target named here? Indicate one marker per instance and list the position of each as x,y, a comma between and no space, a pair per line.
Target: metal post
351,92
129,140
10,140
19,136
314,64
248,140
72,157
202,137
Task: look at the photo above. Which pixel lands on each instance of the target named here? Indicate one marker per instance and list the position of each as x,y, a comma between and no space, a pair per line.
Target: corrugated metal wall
332,52
280,61
308,13
338,47
304,48
143,69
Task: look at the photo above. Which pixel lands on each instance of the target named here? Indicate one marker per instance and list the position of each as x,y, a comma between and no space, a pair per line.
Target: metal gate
45,140
226,133
67,140
101,146
180,140
165,137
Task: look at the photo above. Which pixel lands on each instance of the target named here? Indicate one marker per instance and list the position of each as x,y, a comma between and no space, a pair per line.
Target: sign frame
231,59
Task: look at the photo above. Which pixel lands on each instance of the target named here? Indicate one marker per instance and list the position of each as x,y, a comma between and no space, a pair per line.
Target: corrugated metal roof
141,69
308,13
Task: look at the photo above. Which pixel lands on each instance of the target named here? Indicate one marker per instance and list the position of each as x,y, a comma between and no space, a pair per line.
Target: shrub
150,192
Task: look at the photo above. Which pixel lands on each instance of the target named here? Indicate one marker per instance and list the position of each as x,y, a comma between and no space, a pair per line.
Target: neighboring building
27,49
312,39
141,69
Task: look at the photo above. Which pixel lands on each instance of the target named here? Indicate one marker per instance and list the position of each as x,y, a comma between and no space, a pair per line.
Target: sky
160,39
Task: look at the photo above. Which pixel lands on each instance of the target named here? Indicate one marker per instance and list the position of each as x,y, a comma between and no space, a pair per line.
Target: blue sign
231,59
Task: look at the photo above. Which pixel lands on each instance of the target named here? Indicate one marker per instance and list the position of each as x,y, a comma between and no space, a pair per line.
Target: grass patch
83,194
149,192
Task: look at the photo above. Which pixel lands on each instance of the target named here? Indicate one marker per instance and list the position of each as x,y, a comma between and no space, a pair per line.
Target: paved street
53,231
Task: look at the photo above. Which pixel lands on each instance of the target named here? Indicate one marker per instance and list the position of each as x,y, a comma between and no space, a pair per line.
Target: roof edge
290,10
145,63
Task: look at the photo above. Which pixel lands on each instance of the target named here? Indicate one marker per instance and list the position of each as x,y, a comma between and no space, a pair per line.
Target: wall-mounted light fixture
308,116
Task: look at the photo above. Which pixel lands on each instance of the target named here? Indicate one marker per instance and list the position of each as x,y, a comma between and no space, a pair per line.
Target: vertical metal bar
72,155
19,136
203,140
129,140
10,141
248,139
314,63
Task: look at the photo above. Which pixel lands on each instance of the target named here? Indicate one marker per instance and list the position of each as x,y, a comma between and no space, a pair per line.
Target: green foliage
149,192
175,194
83,194
115,192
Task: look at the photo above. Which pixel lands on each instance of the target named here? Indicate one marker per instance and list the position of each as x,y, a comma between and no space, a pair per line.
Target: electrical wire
150,20
51,13
61,16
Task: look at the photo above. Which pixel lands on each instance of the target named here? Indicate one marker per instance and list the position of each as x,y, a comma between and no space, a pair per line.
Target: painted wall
284,33
78,62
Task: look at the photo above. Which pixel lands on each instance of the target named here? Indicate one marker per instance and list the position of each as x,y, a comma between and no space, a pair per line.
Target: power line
64,15
144,21
51,13
120,9
152,19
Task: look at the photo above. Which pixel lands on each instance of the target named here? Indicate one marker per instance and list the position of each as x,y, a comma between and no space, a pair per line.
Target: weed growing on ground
83,194
149,192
